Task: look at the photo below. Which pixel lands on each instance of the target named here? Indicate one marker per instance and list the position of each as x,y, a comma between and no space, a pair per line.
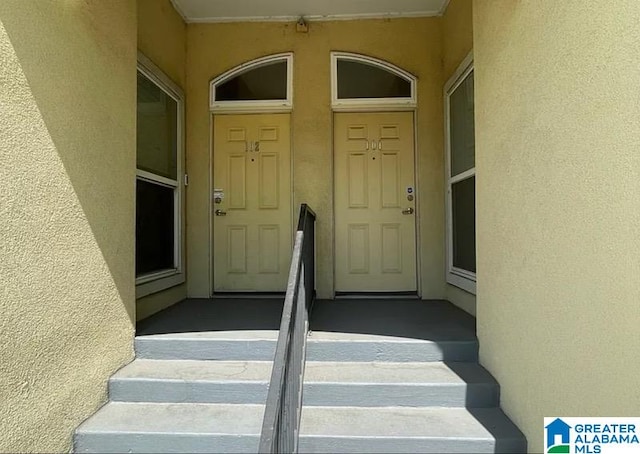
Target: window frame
367,104
154,282
251,106
458,277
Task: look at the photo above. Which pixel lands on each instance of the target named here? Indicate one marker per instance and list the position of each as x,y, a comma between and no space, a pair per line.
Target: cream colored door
251,202
374,202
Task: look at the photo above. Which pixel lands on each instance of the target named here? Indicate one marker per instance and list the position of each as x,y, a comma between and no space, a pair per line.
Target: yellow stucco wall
558,168
413,44
162,37
457,42
457,34
67,159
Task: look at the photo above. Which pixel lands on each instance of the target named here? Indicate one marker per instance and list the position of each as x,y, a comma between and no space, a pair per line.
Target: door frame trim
414,111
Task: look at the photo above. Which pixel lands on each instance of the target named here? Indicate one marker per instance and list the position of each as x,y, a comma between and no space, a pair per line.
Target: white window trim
164,279
463,279
152,177
368,104
266,106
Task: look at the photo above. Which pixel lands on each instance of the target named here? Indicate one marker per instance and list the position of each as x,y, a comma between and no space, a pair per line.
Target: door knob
220,213
407,211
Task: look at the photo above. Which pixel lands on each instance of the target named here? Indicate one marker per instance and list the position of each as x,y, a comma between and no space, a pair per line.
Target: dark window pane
463,196
266,82
157,130
154,227
463,151
360,80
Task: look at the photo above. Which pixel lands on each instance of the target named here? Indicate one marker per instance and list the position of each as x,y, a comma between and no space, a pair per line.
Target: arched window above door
264,84
364,82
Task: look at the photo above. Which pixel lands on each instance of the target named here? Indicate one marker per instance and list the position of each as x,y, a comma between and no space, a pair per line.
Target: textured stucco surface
67,160
412,44
457,42
457,34
558,168
162,37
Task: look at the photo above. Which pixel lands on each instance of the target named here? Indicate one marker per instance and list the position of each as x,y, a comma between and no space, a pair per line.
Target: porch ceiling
290,10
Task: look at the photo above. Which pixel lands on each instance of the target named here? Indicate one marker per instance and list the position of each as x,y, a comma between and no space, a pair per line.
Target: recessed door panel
251,202
389,132
269,247
269,134
236,134
357,132
375,230
358,248
237,247
237,195
389,180
269,181
391,248
357,180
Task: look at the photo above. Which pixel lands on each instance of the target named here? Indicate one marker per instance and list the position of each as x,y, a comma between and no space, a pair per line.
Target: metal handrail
281,423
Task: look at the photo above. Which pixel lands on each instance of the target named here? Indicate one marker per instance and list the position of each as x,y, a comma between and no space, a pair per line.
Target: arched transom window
360,81
264,84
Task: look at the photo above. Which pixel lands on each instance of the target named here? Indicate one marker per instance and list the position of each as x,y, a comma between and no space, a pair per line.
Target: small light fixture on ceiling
302,26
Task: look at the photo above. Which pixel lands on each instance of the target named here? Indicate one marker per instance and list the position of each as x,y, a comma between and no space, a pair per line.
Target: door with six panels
375,230
251,202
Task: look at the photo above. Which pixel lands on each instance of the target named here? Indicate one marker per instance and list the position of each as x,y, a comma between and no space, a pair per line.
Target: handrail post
281,423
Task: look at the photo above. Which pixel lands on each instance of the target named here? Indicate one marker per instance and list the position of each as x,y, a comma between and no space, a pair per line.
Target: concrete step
381,384
321,346
170,428
402,429
330,346
210,345
152,380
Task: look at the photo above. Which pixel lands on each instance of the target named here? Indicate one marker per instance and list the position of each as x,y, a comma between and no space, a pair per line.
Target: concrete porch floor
433,320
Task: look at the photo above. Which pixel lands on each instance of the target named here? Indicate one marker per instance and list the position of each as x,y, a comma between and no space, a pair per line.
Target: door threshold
376,295
248,295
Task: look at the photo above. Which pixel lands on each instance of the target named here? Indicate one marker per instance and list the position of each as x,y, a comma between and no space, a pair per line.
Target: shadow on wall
67,162
71,164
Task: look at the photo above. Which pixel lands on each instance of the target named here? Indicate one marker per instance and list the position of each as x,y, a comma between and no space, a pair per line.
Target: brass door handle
220,213
407,211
